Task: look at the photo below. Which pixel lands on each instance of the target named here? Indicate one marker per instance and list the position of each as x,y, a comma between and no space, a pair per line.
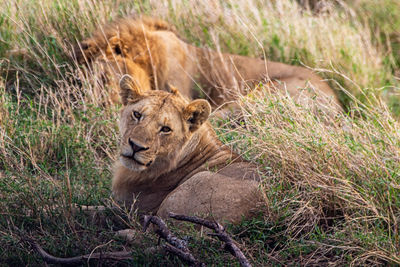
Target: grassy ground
333,191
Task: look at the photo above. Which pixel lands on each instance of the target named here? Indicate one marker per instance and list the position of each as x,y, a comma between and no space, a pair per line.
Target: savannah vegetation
332,185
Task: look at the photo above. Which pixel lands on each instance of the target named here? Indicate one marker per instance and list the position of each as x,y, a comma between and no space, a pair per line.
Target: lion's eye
165,129
137,115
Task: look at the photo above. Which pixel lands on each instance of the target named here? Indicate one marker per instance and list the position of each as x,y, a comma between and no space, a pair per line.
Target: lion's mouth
136,161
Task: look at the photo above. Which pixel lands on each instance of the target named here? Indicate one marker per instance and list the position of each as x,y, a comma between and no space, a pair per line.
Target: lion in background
172,161
151,51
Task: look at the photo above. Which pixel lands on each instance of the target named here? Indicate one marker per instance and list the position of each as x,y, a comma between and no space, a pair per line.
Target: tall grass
332,189
332,181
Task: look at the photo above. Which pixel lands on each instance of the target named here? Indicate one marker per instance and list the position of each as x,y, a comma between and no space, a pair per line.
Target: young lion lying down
172,161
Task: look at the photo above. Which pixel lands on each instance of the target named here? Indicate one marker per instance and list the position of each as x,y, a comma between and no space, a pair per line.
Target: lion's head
156,126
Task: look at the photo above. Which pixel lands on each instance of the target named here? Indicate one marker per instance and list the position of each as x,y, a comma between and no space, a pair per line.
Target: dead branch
48,258
219,232
176,246
183,255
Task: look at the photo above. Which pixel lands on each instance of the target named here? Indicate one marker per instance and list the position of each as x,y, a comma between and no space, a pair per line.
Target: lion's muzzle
136,147
137,152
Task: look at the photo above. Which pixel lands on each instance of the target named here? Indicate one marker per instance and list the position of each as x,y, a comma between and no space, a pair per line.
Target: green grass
332,190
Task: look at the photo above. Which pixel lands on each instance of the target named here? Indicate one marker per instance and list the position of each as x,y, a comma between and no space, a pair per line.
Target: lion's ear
115,47
196,113
129,89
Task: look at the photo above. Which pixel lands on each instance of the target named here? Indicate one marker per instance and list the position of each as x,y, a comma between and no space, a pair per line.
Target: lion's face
152,131
155,126
112,59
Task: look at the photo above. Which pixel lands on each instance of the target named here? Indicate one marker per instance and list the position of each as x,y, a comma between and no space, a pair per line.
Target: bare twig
48,258
186,256
177,246
174,245
219,232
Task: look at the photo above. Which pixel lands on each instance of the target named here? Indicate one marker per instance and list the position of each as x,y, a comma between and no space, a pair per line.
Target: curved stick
176,246
219,232
48,258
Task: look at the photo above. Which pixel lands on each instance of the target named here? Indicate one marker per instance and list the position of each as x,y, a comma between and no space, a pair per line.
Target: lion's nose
135,147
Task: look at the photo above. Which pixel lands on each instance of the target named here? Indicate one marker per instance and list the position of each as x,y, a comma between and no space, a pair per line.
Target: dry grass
337,176
334,43
332,189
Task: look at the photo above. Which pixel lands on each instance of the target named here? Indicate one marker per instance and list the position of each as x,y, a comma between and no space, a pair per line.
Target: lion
172,161
151,51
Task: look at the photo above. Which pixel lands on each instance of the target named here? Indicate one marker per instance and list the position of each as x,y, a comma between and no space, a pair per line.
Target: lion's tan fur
157,56
187,170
